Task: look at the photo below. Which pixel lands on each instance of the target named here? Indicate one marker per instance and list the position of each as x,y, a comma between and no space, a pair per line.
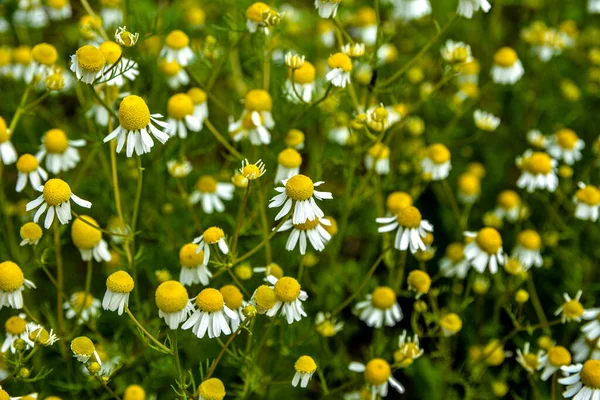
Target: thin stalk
222,140
109,390
173,337
134,217
148,334
227,343
537,305
261,244
239,219
60,283
265,225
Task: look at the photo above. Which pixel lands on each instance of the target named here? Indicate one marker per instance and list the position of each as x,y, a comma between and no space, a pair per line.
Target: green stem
109,390
537,305
261,244
175,351
218,359
136,209
145,332
265,225
240,216
222,140
59,282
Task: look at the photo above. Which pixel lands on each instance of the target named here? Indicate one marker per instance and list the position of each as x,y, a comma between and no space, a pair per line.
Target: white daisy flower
584,349
83,350
557,357
340,70
29,170
12,283
288,164
365,26
210,315
508,206
30,13
181,117
16,328
61,153
485,250
30,233
507,68
454,262
211,236
82,306
118,69
301,83
179,168
87,63
437,164
8,154
59,10
305,367
339,134
378,157
411,229
118,287
582,380
234,300
177,48
193,269
587,202
327,8
313,230
175,74
256,119
88,239
173,303
39,335
466,8
408,349
298,195
260,15
571,309
126,38
566,146
456,52
379,307
211,193
530,361
111,16
527,250
537,171
486,121
288,298
378,375
409,10
199,98
326,325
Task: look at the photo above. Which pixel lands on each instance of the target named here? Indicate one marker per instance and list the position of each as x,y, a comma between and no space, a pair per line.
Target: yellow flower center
275,270
470,68
531,360
55,141
572,309
538,163
180,105
248,123
80,300
4,134
289,158
589,195
195,16
294,137
340,60
169,68
287,289
212,389
307,225
545,343
419,281
438,153
383,298
469,184
111,51
377,372
305,74
489,240
82,345
90,59
120,282
258,100
198,95
206,184
508,199
265,298
251,171
455,251
15,325
134,113
410,350
299,187
494,353
409,217
451,322
326,328
232,296
379,151
365,16
27,163
210,300
22,55
566,138
513,266
44,54
177,40
31,231
213,234
590,374
530,239
188,256
305,365
257,11
39,335
56,191
559,356
505,57
84,236
134,392
57,4
171,297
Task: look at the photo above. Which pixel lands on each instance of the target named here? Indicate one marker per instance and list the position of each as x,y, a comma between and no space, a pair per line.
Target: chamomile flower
134,392
126,38
88,239
378,375
566,146
211,193
61,153
396,201
298,195
257,17
486,121
8,154
587,202
288,164
527,250
313,230
56,198
380,307
529,361
82,305
118,287
584,349
508,206
409,10
263,299
252,171
591,329
87,63
181,118
16,328
456,52
469,188
199,98
469,72
537,139
378,157
340,69
305,367
209,317
485,250
454,262
39,335
411,229
507,68
451,324
135,121
582,380
29,169
59,10
31,233
12,284
175,74
288,298
326,31
234,300
466,8
256,119
30,13
177,48
436,164
571,309
419,282
408,350
365,25
327,8
193,268
326,325
211,236
111,13
173,303
340,133
83,349
117,74
556,358
179,168
300,84
211,389
354,50
537,171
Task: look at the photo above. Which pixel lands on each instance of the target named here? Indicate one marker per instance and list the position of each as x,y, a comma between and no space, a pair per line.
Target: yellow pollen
84,236
305,74
379,151
171,297
470,68
198,95
469,184
169,68
377,372
559,356
213,234
177,40
530,239
44,54
438,153
257,11
572,309
180,105
206,184
251,171
308,225
22,55
31,231
82,345
383,298
81,300
489,240
243,271
409,217
531,360
212,389
305,365
27,163
15,325
210,300
508,199
566,138
258,100
589,195
134,392
545,343
120,282
289,158
265,298
275,270
590,374
188,256
538,163
340,60
55,141
299,187
294,137
134,113
287,289
232,296
111,51
455,251
451,322
56,191
419,281
505,57
326,328
90,59
494,353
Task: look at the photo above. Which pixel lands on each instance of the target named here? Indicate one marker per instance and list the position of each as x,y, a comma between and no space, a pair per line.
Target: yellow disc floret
589,195
210,300
198,95
294,138
419,281
305,365
530,239
232,296
538,163
299,187
377,372
438,153
213,234
287,289
559,356
265,298
572,309
379,151
15,325
308,225
451,322
56,141
27,163
83,346
383,298
396,201
455,251
171,297
4,133
590,374
180,105
469,184
56,191
189,258
212,389
505,57
31,231
177,39
289,158
508,199
169,68
44,54
134,392
258,100
84,236
90,59
340,60
566,138
206,184
120,282
82,300
134,113
275,270
409,217
257,11
22,55
305,74
111,51
489,240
